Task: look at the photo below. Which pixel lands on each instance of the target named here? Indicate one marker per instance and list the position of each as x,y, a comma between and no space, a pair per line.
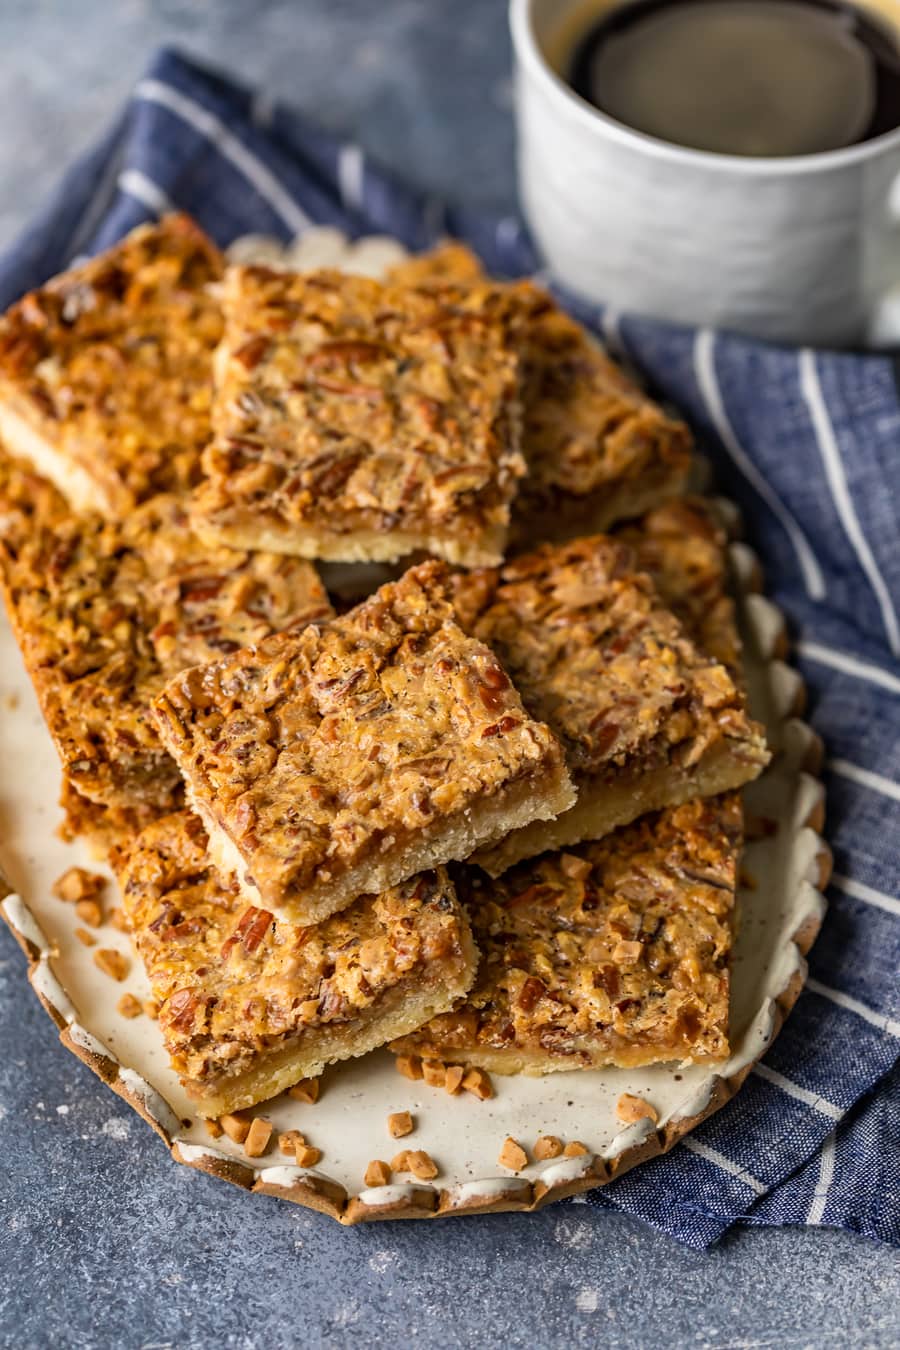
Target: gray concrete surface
103,1240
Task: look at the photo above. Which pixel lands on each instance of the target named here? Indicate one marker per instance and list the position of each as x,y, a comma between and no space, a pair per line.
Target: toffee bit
129,1006
421,1164
258,1137
410,1066
454,1079
378,1173
213,1129
434,1072
547,1146
288,1141
112,963
236,1127
400,1161
512,1155
400,1124
84,936
307,1090
575,1149
78,884
151,1008
631,1109
307,1156
118,920
89,912
479,1084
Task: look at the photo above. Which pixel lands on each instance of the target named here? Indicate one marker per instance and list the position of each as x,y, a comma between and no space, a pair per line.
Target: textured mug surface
798,249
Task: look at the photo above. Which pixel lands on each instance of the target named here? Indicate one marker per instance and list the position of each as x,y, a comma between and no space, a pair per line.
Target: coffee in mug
741,77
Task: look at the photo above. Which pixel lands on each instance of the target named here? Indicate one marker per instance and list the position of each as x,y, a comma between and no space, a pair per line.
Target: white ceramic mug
801,249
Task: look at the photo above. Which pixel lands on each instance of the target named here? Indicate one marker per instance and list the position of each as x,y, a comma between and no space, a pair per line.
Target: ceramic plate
780,911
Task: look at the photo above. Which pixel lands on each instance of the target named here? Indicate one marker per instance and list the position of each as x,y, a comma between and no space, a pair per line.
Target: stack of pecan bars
489,813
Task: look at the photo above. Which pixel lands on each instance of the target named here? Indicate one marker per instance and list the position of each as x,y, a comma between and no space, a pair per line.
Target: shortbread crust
359,421
646,719
616,953
344,758
105,372
249,1005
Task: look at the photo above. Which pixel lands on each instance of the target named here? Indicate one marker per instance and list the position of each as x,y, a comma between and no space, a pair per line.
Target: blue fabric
809,445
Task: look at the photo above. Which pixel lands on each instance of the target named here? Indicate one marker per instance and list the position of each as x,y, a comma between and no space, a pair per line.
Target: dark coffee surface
743,77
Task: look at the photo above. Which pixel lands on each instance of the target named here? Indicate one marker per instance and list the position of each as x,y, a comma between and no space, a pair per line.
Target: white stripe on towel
868,894
705,367
216,132
97,206
732,1168
853,1005
826,1177
849,665
351,170
837,481
137,185
800,1094
865,777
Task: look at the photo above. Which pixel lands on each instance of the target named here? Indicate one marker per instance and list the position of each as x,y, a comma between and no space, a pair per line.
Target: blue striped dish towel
808,442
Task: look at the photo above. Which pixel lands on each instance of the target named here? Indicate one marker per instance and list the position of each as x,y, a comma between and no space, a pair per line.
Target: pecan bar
250,1005
683,547
105,612
356,421
645,718
614,953
105,372
598,450
345,758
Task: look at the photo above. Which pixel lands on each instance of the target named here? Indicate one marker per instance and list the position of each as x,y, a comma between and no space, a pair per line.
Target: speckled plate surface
779,916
